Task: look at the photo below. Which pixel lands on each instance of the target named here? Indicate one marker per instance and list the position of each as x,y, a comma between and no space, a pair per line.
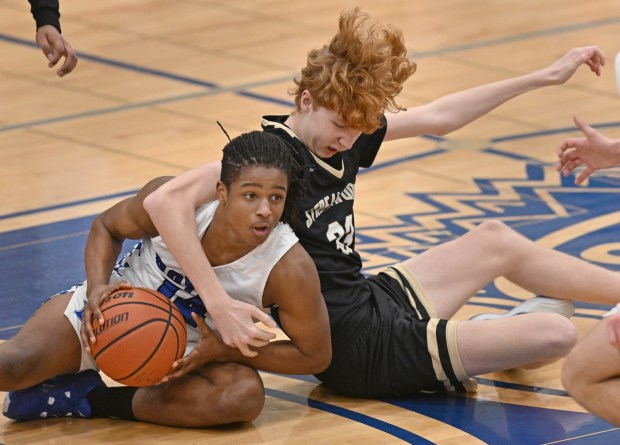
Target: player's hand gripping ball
143,334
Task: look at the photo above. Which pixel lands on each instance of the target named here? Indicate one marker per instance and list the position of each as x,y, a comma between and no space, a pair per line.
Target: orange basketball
143,334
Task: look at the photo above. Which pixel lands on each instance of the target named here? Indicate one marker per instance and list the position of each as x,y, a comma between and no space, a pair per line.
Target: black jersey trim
332,170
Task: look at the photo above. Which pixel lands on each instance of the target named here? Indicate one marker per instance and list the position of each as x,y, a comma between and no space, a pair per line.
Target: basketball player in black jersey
393,334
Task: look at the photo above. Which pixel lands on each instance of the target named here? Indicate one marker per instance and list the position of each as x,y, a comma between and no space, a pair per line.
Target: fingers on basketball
143,334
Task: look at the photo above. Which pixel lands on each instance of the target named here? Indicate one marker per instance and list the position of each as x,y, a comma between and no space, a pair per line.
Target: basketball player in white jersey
258,260
394,334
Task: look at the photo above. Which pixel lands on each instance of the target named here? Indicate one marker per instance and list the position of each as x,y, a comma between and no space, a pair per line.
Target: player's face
255,202
323,131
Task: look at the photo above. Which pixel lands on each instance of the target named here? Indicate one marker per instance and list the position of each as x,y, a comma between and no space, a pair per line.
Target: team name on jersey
176,277
347,194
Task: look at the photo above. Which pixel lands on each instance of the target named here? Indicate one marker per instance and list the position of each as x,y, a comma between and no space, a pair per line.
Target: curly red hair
359,74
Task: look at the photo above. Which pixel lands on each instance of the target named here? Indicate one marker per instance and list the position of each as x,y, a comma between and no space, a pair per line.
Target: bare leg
591,374
219,394
453,272
46,346
496,345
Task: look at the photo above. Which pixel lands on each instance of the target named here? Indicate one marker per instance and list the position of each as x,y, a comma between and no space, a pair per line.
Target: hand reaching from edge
595,151
55,46
562,69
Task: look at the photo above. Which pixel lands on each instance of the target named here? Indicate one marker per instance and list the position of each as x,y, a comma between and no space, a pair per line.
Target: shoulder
280,240
295,271
207,210
283,230
294,262
367,145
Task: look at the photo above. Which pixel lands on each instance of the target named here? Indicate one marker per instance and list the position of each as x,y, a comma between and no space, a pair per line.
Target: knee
575,379
560,334
492,227
495,233
240,393
244,400
16,367
576,376
571,377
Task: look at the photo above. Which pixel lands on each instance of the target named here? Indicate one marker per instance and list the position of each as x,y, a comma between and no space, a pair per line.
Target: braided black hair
260,149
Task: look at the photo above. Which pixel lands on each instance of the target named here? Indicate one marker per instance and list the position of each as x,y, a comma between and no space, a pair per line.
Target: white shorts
74,311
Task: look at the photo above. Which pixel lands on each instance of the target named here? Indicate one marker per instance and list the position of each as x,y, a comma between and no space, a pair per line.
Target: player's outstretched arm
594,151
456,110
172,209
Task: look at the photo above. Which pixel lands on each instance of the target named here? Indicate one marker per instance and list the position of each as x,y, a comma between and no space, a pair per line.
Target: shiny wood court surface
153,78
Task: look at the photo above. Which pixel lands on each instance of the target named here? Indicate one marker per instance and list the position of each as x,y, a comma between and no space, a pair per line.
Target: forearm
172,209
454,111
181,236
461,108
280,356
45,12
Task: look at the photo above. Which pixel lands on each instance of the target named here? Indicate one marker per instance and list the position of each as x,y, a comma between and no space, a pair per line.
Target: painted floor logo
583,221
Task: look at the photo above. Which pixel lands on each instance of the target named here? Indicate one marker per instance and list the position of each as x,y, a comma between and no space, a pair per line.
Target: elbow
442,127
152,204
322,360
441,132
157,195
442,123
325,358
313,362
323,365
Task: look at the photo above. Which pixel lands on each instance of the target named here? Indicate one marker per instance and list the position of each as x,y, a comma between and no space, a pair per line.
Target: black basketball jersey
325,223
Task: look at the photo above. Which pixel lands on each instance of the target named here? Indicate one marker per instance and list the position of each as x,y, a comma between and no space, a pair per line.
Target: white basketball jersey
150,264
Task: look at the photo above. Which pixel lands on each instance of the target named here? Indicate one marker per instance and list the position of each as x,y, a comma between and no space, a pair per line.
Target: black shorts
395,347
